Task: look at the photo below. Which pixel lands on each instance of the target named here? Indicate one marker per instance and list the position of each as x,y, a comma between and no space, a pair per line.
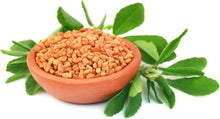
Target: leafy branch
155,50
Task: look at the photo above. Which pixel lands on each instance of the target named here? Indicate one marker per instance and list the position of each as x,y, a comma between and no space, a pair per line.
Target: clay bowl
84,91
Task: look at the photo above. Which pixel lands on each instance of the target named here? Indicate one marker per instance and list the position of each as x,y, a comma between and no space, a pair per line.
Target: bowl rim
32,65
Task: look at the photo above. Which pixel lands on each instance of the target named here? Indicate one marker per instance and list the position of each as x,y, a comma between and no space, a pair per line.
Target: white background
25,19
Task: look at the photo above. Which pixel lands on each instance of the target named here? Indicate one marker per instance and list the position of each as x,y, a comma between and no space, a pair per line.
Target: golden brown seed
67,75
118,68
90,75
100,63
127,61
60,68
103,73
105,66
86,53
63,58
98,70
95,59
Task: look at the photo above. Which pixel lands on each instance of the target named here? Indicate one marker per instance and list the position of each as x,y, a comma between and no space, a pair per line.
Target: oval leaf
101,25
20,74
166,91
158,41
149,48
116,103
16,64
198,63
134,103
128,18
136,86
155,92
28,43
87,15
169,49
32,87
148,89
182,71
67,20
14,53
197,86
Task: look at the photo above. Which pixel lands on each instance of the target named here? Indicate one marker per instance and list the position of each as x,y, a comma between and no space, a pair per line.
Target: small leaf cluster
154,51
18,66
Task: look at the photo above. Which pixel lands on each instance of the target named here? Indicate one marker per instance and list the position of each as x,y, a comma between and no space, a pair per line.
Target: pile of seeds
86,53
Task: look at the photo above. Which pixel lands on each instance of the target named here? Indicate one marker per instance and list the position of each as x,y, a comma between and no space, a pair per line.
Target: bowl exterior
84,91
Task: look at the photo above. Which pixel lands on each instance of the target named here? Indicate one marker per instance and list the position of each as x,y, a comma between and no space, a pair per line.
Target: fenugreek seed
60,68
58,46
98,70
47,68
100,63
67,64
77,60
86,53
90,75
103,73
118,68
123,64
75,68
128,56
52,71
58,73
94,65
105,66
81,66
67,75
63,58
85,61
68,69
56,62
81,74
128,60
95,59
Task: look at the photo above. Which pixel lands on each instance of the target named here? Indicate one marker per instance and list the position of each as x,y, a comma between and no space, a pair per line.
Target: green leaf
198,63
158,41
20,74
16,64
148,89
166,91
155,92
22,45
101,25
28,43
32,87
108,27
148,47
128,18
169,49
87,15
68,21
116,103
134,103
136,86
61,29
14,53
182,71
197,86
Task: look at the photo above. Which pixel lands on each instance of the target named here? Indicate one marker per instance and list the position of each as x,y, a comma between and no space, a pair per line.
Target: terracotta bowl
84,91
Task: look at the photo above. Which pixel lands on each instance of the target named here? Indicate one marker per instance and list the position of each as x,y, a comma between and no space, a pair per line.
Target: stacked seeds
87,53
